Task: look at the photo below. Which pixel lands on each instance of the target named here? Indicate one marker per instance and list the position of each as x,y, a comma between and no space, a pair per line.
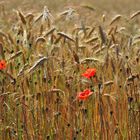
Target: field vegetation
69,70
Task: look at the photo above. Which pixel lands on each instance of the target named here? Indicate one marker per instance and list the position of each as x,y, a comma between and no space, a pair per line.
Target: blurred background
109,8
121,6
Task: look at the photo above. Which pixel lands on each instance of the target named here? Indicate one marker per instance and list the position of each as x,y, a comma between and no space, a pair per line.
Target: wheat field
69,70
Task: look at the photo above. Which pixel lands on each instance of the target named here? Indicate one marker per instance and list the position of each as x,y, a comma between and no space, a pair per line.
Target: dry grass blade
56,91
17,54
88,7
113,46
134,15
91,31
132,77
64,13
135,40
38,18
40,39
66,36
50,32
82,28
116,18
22,17
96,46
136,37
91,40
102,35
100,50
108,83
112,97
110,31
90,59
38,63
5,93
21,72
29,15
68,12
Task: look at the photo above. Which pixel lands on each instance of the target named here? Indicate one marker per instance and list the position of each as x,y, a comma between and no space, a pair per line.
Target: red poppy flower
89,73
2,64
84,95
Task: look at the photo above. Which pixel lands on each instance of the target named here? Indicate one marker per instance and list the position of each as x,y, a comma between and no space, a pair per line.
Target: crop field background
69,70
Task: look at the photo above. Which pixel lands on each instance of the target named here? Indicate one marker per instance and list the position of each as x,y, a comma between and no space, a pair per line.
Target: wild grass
45,57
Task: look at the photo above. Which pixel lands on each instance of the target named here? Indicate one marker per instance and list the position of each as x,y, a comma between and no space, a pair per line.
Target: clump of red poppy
90,72
2,64
85,94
